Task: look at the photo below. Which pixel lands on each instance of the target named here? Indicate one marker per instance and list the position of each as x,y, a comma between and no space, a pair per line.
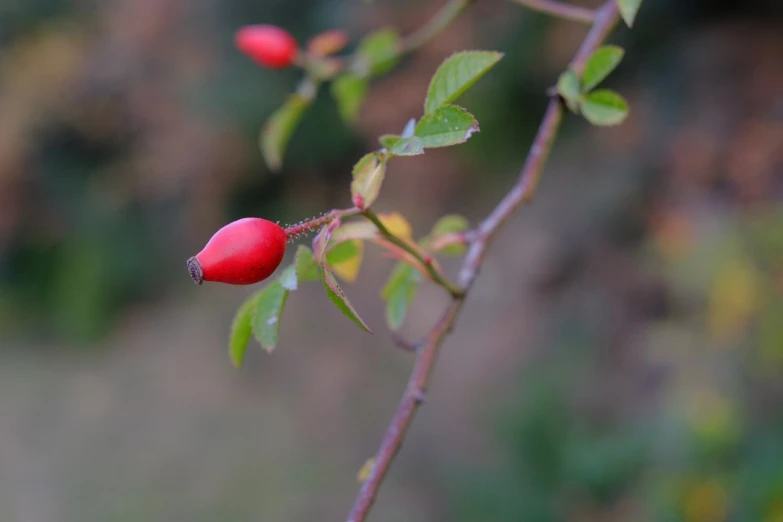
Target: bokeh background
621,357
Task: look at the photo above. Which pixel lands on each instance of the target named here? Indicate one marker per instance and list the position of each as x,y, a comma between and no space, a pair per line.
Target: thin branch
310,225
560,10
522,191
435,25
433,272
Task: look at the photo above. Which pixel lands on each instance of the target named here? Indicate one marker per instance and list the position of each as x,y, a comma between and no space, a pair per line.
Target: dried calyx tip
194,268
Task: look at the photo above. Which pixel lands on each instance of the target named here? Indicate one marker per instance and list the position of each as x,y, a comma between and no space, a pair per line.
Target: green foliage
242,330
447,125
368,176
349,91
379,51
569,86
399,292
447,225
456,75
337,296
412,146
628,10
279,128
306,264
268,310
604,108
601,63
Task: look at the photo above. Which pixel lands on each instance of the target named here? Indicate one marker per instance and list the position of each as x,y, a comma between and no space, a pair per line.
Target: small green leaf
450,224
380,51
568,85
345,259
266,319
340,301
241,329
388,140
604,108
456,74
628,10
368,177
603,61
288,278
447,125
321,240
348,91
413,146
306,265
279,128
399,292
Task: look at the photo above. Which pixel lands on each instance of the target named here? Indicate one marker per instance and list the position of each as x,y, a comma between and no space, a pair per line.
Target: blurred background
621,356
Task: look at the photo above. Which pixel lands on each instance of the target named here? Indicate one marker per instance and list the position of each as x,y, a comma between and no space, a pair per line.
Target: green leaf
388,140
380,51
569,86
306,265
602,62
628,10
604,108
288,278
340,301
345,259
450,224
241,329
368,176
399,292
266,319
348,91
279,128
447,125
321,240
413,146
456,75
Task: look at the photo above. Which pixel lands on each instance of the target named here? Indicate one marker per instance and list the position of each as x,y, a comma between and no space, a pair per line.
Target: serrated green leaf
337,297
368,176
413,146
321,240
604,107
456,74
399,292
266,319
288,278
306,265
278,129
380,51
628,10
387,141
349,91
242,330
602,62
568,85
446,125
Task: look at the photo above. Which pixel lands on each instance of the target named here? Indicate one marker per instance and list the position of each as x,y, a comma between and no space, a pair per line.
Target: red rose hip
267,45
241,253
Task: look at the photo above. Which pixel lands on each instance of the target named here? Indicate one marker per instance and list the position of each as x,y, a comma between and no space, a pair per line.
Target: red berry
241,253
268,45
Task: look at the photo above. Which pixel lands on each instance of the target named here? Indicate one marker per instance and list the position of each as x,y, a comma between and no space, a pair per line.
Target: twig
605,19
560,10
440,21
433,272
309,225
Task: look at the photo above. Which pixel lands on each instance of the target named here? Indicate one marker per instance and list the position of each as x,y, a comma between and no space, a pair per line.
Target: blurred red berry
268,45
241,253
